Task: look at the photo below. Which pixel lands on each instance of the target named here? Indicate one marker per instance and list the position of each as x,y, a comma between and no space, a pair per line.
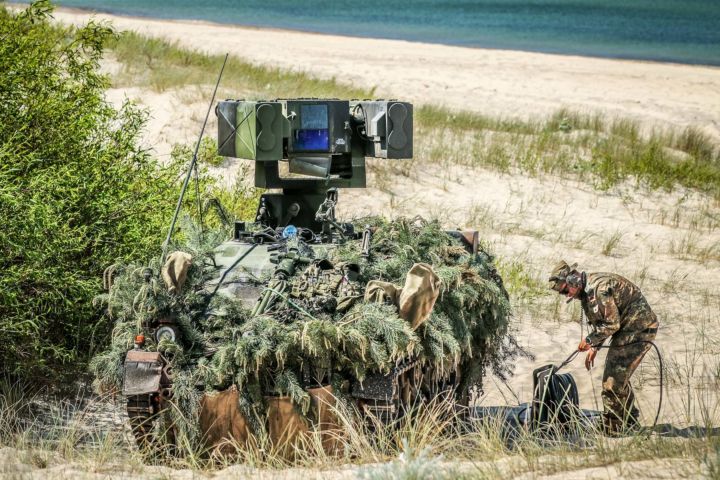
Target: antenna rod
191,167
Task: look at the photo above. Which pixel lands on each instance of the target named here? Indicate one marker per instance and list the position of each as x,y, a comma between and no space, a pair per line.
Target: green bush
77,192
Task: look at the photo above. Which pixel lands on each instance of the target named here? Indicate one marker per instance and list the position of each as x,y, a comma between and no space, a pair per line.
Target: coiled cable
574,354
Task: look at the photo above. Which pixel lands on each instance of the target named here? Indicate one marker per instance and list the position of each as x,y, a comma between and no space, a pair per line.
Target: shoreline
493,82
110,12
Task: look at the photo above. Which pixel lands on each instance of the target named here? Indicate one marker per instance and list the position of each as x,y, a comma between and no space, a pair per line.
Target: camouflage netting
275,352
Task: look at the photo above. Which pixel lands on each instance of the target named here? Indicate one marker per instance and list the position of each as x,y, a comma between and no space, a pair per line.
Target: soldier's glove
584,345
590,359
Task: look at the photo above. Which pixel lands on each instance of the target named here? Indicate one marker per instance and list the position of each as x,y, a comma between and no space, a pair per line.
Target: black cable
197,200
637,342
306,234
568,360
362,135
566,384
225,274
264,236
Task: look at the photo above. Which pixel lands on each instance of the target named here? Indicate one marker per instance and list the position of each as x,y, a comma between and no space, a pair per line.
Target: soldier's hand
590,359
584,345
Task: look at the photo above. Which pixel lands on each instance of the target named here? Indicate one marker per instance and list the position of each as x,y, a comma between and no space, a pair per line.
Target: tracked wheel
143,412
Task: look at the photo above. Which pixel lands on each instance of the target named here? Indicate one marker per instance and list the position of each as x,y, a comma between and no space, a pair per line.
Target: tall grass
605,155
162,65
523,286
432,440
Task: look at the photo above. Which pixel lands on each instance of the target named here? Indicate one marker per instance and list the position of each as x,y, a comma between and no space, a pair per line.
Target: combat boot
611,425
615,427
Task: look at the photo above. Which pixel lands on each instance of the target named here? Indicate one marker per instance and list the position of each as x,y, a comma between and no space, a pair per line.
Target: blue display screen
313,117
313,133
314,139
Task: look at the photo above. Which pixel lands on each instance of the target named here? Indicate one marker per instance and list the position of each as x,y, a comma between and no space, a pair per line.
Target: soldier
616,309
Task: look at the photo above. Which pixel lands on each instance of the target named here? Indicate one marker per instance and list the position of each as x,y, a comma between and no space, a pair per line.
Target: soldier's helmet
559,274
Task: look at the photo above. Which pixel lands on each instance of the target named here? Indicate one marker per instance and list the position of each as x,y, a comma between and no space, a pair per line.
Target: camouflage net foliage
276,352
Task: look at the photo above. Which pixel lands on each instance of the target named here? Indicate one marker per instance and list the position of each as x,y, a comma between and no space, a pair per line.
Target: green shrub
77,192
221,201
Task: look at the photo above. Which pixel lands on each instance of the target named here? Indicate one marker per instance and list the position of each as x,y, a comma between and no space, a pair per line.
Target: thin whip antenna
191,167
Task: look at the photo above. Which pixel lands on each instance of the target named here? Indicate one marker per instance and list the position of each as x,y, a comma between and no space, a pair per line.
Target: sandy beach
494,82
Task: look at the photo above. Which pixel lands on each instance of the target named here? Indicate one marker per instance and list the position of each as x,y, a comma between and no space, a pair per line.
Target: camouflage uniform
616,308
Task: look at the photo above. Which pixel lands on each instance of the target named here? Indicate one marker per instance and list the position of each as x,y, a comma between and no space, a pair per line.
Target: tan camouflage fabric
415,300
326,422
616,308
418,296
378,291
286,425
175,270
617,393
613,303
222,426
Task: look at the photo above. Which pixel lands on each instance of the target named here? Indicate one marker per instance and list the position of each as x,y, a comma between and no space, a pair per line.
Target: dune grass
162,65
603,151
523,285
431,441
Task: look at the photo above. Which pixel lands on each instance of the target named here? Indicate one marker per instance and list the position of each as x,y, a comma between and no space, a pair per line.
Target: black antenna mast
191,167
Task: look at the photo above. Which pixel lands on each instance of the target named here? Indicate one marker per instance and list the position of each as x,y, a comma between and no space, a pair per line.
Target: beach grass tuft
163,65
611,243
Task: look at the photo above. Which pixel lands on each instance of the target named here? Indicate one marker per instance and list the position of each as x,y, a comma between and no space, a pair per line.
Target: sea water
684,31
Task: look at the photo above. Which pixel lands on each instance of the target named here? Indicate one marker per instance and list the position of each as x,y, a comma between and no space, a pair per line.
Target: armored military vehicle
279,263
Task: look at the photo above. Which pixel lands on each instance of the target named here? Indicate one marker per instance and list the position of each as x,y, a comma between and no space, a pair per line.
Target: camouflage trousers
622,360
